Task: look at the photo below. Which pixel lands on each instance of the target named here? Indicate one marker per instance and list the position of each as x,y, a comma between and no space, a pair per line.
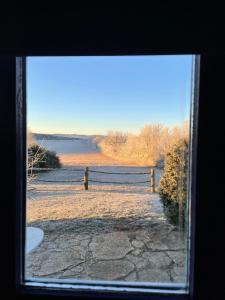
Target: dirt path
90,159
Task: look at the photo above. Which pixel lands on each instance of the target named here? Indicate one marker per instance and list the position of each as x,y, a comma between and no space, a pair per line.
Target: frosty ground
110,232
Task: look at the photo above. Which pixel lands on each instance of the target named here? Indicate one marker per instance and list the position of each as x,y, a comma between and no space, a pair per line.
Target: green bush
39,157
173,183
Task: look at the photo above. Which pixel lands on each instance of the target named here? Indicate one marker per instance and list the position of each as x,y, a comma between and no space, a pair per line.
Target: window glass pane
107,172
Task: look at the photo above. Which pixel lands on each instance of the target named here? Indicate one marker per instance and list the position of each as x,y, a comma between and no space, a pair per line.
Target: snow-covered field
73,146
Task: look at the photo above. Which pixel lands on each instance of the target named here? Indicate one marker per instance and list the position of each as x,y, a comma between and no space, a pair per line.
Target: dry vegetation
88,159
145,148
30,138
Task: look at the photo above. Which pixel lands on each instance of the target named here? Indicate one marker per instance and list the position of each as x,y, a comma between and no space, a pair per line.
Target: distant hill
43,136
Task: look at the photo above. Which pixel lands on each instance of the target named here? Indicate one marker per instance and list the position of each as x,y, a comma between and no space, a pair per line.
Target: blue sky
92,95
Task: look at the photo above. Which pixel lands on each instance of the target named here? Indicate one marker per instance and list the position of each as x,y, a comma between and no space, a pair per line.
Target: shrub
39,157
173,183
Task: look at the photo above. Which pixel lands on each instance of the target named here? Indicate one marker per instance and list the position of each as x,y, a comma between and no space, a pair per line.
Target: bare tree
33,160
113,143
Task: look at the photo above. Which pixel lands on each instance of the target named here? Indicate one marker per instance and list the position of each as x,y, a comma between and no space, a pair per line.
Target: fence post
152,180
86,178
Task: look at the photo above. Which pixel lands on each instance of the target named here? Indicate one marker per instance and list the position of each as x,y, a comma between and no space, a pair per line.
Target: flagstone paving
123,249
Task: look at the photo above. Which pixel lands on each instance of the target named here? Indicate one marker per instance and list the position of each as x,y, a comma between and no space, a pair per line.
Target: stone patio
130,249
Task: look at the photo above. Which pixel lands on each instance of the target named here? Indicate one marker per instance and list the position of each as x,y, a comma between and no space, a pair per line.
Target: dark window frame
184,33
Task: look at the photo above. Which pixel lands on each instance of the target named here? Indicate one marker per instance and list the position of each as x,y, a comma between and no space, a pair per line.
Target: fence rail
56,169
117,173
61,181
117,182
86,178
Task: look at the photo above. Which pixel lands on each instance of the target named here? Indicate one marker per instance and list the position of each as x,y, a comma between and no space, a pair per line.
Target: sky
93,95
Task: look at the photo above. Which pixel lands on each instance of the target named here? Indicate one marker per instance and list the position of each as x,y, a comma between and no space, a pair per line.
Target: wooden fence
86,178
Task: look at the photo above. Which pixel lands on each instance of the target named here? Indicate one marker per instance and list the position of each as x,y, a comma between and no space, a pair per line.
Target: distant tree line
147,148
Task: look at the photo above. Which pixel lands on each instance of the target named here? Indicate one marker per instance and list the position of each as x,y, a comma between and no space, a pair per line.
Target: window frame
84,289
165,28
207,257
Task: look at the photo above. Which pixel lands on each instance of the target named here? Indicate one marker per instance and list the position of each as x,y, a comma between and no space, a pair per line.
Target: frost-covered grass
61,201
97,203
58,201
